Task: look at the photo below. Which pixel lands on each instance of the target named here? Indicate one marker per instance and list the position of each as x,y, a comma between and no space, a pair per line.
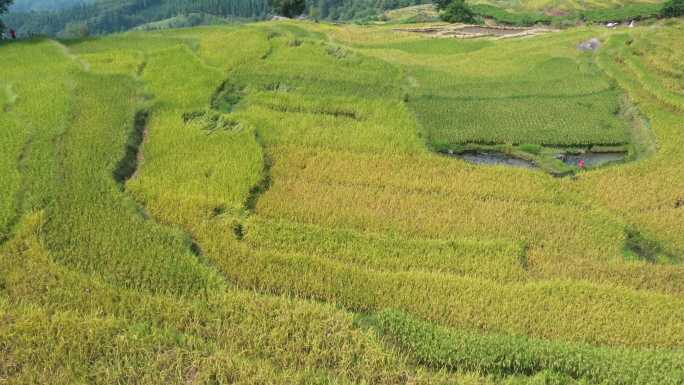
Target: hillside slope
45,5
276,203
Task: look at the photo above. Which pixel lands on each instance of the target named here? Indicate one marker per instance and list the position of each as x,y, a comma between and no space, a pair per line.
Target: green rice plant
581,108
505,355
531,148
653,84
29,124
457,121
203,169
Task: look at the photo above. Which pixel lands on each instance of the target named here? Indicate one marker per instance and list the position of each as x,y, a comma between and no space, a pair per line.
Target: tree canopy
106,16
441,4
673,8
4,6
45,5
288,8
457,11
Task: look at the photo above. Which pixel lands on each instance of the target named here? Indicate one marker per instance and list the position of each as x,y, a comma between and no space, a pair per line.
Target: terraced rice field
265,204
563,6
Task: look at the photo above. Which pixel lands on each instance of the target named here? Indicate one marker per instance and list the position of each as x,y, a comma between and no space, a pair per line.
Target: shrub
626,13
673,8
288,8
458,12
441,4
504,17
4,6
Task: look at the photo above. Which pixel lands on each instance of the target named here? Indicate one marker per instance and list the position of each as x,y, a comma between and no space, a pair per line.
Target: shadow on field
128,165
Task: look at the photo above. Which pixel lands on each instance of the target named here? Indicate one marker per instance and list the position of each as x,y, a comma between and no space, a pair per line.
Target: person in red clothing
581,164
13,34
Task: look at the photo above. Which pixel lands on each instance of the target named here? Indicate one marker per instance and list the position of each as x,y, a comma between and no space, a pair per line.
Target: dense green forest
114,15
45,5
106,16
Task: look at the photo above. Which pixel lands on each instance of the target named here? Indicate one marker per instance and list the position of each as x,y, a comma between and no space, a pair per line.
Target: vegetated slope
488,105
106,16
416,13
527,98
529,13
559,7
147,324
282,163
24,122
642,64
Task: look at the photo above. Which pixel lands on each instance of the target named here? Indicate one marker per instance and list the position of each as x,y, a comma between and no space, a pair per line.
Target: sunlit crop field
267,204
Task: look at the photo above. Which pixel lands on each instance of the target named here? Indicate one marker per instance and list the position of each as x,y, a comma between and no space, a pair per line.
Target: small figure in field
13,34
581,164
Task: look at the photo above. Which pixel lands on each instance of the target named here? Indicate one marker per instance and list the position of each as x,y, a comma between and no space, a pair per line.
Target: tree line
106,16
44,5
4,6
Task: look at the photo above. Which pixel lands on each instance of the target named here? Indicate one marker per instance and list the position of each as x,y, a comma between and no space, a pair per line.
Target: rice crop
263,203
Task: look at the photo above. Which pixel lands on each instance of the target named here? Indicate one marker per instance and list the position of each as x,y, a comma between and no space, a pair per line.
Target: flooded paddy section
557,162
593,159
494,158
467,31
